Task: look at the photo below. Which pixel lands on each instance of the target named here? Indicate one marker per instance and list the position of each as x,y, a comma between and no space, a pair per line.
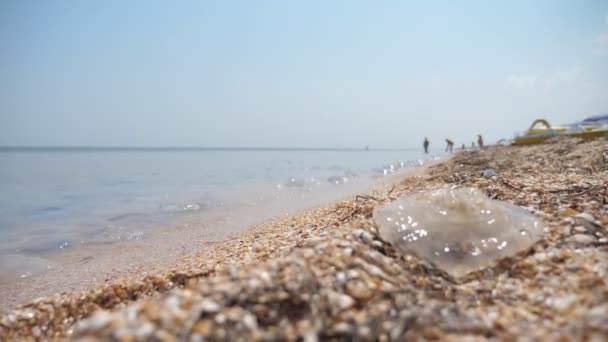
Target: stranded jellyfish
459,230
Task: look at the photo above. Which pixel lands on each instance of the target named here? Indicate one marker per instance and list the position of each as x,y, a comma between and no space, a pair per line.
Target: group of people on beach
450,144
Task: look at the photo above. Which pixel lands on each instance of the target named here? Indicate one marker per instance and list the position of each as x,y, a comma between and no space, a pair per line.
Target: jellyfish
459,230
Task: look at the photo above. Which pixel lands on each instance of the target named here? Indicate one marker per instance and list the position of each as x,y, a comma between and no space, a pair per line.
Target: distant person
472,144
425,144
450,145
464,147
479,141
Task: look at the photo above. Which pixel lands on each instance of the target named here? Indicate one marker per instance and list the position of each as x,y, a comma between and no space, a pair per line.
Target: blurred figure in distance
479,141
450,145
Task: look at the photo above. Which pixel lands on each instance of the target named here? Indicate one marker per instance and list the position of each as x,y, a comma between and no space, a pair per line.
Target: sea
79,206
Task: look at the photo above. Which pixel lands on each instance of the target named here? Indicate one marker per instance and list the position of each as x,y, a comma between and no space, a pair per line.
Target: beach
327,274
68,224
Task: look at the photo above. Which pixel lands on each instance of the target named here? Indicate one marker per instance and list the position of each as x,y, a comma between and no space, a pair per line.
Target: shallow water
57,206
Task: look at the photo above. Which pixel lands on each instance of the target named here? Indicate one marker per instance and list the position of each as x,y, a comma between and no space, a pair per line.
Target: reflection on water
56,202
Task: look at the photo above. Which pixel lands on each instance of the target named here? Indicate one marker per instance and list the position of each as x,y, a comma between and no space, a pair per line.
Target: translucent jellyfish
459,230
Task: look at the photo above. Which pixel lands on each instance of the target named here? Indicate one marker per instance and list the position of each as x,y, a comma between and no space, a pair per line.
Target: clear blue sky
287,73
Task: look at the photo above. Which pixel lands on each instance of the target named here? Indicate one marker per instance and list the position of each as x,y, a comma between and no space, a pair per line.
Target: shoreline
407,294
182,265
83,267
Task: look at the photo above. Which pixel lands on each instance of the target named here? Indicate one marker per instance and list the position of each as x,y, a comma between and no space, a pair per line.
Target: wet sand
327,274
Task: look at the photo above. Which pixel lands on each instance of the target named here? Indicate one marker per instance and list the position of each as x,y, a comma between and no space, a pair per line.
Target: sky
344,74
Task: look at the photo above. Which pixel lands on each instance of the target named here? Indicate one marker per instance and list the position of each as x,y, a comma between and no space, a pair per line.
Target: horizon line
196,148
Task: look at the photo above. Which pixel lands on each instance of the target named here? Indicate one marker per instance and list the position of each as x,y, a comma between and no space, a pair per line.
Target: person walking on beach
450,146
425,144
479,140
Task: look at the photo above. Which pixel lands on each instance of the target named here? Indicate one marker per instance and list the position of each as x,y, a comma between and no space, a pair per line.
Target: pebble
340,300
358,290
581,239
580,229
488,173
588,221
562,302
209,306
341,278
598,315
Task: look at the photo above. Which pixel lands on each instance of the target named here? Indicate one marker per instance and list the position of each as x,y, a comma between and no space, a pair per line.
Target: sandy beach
327,274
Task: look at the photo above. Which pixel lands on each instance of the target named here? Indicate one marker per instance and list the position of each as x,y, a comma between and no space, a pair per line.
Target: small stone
250,321
203,327
98,321
599,311
144,330
588,222
585,216
311,337
540,256
340,300
209,306
341,278
563,302
347,251
358,290
489,173
342,328
598,316
580,229
377,244
364,331
581,239
366,236
352,274
569,212
220,318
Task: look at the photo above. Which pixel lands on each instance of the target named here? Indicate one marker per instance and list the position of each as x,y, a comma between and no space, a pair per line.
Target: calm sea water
56,200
